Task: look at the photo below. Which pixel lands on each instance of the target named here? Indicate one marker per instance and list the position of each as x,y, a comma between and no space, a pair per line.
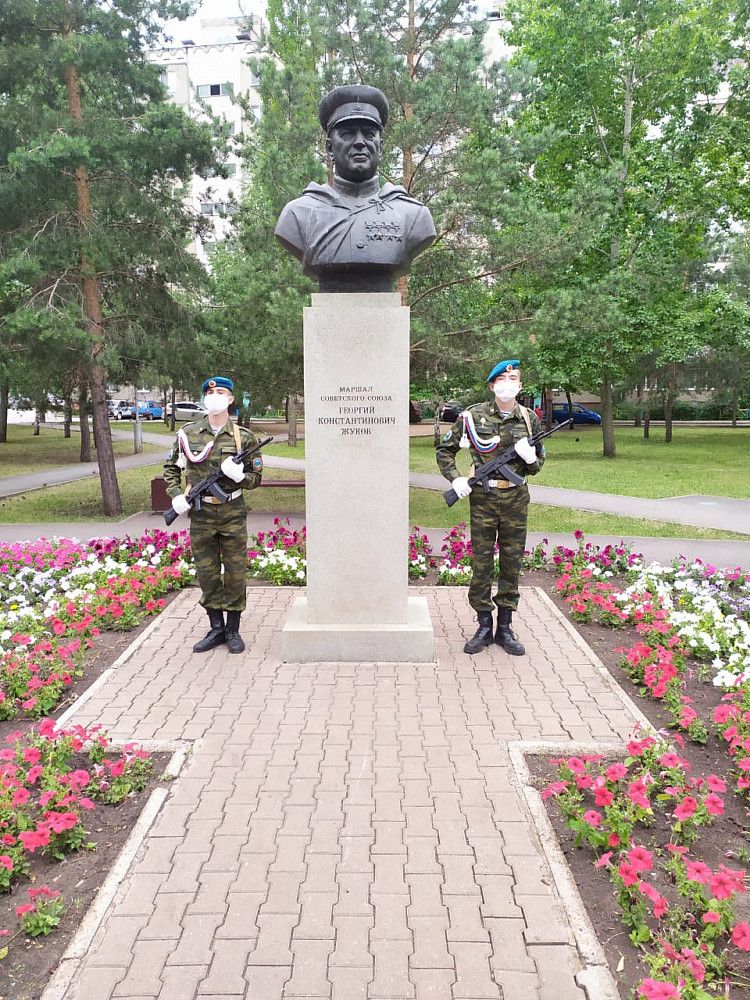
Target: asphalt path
705,511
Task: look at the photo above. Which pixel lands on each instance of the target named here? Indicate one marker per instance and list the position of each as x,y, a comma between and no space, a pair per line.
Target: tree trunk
173,416
668,407
92,310
646,416
735,406
638,405
4,399
548,407
571,425
292,418
37,421
436,420
608,427
67,416
83,405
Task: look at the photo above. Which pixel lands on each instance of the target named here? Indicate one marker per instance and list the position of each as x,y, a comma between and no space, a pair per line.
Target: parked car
581,414
150,410
186,410
451,409
121,409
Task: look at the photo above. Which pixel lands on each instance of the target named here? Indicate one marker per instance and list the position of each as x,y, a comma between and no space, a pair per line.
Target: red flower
25,908
641,859
712,917
593,818
714,804
628,873
697,871
722,886
686,808
653,989
741,936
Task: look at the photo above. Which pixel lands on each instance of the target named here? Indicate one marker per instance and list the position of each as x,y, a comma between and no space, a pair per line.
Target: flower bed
57,596
58,787
664,828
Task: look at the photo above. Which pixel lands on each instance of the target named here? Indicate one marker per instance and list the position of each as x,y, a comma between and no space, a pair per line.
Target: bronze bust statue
354,235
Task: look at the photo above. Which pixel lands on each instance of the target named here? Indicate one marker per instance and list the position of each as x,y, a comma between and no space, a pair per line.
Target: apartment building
206,74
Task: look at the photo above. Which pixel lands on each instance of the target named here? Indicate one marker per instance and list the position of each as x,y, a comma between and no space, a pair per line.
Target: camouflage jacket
199,434
488,423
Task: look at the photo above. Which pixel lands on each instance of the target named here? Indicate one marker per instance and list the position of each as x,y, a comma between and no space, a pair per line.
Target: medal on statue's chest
379,228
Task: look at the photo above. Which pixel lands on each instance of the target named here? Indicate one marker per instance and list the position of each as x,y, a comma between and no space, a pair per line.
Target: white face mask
505,391
215,403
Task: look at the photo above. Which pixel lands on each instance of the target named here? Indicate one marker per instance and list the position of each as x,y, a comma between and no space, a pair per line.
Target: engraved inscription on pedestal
356,410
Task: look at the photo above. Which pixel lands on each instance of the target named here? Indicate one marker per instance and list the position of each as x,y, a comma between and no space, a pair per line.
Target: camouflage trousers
499,517
218,537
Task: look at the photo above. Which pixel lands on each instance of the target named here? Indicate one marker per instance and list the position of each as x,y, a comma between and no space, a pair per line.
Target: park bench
161,501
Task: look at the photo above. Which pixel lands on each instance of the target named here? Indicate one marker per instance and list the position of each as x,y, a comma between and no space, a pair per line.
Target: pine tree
91,186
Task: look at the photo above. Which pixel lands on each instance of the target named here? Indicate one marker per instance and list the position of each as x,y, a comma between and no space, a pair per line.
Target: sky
191,28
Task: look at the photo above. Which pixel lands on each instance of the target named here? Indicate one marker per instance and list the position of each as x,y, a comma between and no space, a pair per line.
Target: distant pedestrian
501,516
218,531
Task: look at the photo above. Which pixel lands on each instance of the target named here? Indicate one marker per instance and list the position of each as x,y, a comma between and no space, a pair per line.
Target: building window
222,208
214,90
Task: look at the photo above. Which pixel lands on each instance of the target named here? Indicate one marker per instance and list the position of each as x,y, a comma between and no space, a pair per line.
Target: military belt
232,496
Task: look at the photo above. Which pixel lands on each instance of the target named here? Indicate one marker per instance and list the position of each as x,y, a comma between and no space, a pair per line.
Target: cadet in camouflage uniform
218,531
501,516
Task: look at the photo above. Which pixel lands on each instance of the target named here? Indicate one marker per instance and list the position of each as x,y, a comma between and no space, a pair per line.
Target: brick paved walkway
344,831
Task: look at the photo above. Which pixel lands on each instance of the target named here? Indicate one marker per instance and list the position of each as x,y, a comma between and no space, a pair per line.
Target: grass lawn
25,453
428,509
713,461
81,501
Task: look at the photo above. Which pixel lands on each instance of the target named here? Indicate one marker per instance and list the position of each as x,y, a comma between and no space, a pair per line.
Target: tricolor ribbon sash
470,437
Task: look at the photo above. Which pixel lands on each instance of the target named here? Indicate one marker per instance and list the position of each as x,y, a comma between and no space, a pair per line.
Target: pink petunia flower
711,917
686,808
741,936
698,871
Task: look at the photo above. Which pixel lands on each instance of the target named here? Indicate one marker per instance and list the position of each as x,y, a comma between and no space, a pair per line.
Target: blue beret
218,382
503,366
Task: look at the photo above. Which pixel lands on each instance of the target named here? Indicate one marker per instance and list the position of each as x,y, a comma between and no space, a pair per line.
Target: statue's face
355,147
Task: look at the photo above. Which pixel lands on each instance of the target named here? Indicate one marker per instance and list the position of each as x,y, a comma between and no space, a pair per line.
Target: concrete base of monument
305,642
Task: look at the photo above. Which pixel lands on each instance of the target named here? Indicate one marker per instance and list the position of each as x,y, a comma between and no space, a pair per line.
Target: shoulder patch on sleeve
447,436
257,463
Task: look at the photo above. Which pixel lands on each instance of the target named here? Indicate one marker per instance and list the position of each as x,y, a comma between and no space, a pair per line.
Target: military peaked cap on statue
502,367
218,382
353,103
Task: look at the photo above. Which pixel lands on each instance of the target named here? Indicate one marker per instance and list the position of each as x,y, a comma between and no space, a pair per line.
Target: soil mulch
30,962
724,842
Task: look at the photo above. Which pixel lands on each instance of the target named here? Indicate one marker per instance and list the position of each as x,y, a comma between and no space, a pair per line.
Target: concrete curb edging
57,987
595,977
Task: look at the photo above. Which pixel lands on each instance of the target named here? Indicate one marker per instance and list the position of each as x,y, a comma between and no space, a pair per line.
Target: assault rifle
498,468
210,485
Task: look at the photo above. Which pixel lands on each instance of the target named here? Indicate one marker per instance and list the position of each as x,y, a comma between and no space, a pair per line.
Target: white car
186,410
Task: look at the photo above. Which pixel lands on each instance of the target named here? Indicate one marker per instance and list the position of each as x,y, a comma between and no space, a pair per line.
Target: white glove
233,470
526,451
180,504
461,486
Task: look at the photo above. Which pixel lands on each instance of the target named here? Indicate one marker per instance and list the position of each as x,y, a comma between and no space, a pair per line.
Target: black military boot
504,636
483,635
215,636
234,639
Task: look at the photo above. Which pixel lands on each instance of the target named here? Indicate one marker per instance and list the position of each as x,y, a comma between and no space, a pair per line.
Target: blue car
581,415
150,410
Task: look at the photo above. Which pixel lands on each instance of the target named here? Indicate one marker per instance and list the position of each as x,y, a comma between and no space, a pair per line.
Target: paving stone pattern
344,831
